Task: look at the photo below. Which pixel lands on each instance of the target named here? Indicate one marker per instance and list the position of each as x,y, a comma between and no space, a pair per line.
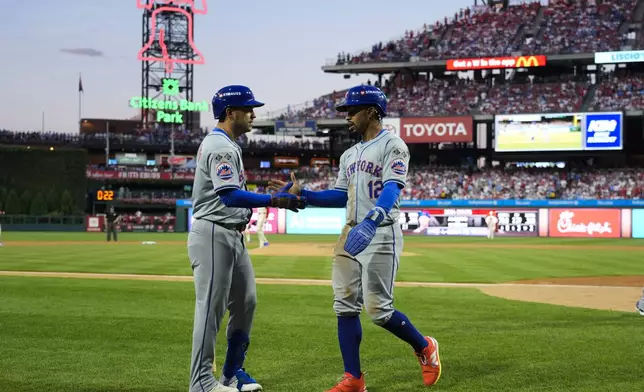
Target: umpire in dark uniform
111,219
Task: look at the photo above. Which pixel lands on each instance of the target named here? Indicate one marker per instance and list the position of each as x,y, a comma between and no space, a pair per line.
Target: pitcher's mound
305,249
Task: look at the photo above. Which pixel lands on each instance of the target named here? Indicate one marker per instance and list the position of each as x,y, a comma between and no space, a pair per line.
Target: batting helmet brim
344,106
253,103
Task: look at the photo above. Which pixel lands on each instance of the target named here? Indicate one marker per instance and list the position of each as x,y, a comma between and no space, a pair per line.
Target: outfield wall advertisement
315,221
461,218
638,223
468,222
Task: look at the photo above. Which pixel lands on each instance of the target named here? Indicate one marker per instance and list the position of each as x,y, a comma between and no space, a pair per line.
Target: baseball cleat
242,381
430,362
265,243
349,383
222,388
640,307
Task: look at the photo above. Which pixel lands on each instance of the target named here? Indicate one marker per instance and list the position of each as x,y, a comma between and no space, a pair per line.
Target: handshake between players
288,194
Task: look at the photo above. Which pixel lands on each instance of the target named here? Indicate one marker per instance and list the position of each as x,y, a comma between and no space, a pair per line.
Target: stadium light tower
168,56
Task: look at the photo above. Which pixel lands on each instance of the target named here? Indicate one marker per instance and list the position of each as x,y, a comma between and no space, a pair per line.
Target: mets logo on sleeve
224,171
398,167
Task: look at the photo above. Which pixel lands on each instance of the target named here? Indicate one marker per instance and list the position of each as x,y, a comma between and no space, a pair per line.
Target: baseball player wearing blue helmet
222,270
366,257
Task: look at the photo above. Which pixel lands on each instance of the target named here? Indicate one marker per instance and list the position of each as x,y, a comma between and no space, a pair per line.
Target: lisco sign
169,111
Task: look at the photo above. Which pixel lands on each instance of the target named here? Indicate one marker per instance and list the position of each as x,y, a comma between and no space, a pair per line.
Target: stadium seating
181,138
485,33
565,26
453,183
564,96
581,26
618,93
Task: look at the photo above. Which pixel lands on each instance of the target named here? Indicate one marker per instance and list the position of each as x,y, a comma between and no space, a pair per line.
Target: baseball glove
288,201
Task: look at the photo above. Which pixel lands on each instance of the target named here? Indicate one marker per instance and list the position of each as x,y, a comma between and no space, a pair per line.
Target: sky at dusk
275,47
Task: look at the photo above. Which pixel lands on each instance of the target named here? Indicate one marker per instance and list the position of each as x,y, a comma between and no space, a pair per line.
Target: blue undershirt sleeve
388,196
328,198
243,199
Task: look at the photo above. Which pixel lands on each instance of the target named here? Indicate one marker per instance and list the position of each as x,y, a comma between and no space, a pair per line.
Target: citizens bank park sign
459,129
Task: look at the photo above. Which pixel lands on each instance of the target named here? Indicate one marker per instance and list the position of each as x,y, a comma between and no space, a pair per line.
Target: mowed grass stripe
93,335
462,262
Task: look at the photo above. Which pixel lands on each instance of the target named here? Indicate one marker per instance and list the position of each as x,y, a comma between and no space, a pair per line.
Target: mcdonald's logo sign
495,63
530,61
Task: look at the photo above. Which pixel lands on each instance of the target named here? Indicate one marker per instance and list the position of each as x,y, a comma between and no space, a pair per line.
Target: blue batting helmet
234,96
364,95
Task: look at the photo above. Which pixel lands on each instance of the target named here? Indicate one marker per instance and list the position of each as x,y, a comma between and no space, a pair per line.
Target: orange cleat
350,384
430,362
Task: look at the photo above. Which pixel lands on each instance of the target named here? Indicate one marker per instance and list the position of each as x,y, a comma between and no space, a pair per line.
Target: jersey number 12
375,187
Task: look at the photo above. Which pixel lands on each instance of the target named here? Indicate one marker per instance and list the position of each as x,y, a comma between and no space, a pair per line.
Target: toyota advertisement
558,132
432,129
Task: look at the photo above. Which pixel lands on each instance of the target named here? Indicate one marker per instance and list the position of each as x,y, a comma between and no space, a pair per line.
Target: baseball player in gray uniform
223,274
639,305
366,257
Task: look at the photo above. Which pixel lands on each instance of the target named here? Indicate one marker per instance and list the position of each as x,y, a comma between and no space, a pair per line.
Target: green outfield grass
557,141
92,335
444,259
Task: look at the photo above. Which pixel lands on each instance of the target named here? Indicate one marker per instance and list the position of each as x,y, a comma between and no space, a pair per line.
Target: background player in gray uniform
223,274
366,257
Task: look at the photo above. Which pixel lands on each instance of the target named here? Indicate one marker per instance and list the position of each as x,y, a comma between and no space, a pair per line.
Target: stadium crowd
154,137
617,93
455,183
461,96
562,26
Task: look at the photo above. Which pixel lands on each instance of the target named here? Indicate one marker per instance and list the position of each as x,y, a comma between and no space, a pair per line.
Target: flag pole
80,91
107,144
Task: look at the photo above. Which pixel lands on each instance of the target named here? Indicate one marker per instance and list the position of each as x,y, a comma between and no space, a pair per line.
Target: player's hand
289,201
283,186
361,236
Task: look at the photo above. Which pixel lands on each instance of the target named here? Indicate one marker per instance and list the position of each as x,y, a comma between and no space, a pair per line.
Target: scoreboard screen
468,222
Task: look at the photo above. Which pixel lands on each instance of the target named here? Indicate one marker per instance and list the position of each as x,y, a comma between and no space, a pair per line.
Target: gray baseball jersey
219,166
368,279
223,274
364,170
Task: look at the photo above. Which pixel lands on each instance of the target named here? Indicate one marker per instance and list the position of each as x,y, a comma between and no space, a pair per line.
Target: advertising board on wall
437,129
316,221
306,128
469,64
467,222
516,218
590,223
270,226
638,223
95,223
624,56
